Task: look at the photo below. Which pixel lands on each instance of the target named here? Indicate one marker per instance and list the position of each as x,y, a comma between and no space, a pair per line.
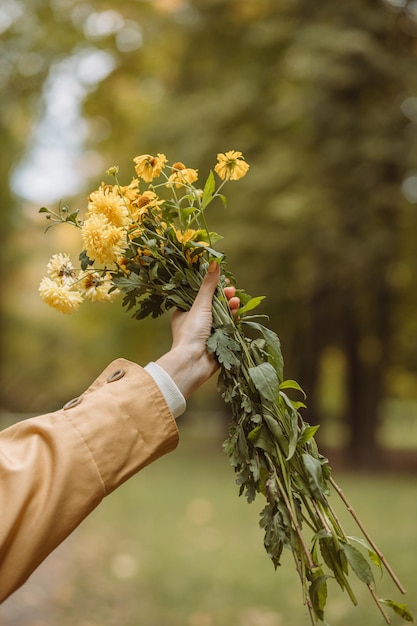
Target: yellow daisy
186,236
182,175
231,165
149,167
144,203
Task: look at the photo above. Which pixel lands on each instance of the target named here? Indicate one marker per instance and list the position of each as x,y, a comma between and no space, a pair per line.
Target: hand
188,362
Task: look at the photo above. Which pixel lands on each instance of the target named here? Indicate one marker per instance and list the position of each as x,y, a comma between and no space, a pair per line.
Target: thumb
208,286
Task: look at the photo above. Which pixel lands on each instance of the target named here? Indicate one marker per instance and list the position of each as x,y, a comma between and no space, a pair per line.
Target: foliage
156,250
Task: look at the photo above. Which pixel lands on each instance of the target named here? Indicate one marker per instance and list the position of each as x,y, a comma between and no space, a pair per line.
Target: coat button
117,375
72,403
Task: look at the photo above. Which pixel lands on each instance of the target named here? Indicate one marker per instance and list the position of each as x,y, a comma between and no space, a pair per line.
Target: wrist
187,371
168,388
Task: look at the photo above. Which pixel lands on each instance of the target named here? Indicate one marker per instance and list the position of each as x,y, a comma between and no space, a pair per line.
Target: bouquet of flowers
149,241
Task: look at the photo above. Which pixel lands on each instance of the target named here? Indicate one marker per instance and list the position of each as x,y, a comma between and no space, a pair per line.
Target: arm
56,468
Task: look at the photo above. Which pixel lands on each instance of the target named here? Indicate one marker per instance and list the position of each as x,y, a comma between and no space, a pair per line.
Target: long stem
378,603
293,516
367,536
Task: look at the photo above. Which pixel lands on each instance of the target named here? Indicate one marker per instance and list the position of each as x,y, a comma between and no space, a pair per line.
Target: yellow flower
149,167
231,165
130,192
96,287
145,202
107,201
59,296
103,242
61,269
186,236
182,175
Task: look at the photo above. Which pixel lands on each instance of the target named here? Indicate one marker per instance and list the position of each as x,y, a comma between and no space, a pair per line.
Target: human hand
188,362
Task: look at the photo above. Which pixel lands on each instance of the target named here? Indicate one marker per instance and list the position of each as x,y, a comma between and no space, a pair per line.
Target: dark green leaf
126,283
308,433
265,379
260,438
358,563
314,476
277,433
224,347
84,260
273,346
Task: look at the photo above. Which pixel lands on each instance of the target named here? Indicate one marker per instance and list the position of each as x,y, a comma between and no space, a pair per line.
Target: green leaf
223,199
276,431
314,476
291,384
400,609
265,379
260,438
358,563
372,554
224,347
85,260
208,190
193,279
250,305
307,434
318,593
128,283
273,346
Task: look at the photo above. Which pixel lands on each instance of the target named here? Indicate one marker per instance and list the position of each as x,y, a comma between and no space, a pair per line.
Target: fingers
234,304
234,301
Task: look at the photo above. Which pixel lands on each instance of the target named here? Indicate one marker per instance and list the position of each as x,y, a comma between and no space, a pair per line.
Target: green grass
175,546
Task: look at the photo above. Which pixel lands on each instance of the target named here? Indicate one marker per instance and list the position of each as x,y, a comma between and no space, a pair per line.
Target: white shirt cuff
169,389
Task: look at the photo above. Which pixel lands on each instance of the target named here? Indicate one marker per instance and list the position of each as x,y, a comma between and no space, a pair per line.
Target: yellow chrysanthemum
59,296
61,269
149,167
96,287
182,175
231,165
103,242
107,201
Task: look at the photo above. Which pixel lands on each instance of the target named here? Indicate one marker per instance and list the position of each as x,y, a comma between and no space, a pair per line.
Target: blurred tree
49,50
312,96
28,44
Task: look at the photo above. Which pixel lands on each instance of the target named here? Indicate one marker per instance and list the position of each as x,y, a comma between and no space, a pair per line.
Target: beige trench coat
56,468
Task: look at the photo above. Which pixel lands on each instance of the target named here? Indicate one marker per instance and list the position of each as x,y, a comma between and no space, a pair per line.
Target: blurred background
321,98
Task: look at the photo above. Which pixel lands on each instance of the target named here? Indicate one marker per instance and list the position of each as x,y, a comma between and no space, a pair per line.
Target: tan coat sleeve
56,468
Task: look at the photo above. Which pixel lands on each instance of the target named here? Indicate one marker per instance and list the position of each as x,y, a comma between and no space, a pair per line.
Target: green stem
367,536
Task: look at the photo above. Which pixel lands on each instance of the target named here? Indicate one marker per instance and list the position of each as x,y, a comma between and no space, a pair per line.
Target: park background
321,98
